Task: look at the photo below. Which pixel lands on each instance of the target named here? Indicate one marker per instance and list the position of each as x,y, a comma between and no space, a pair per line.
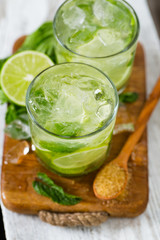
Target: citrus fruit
19,70
78,162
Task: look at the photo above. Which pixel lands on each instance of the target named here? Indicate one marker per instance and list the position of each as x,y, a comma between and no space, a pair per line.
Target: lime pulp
19,70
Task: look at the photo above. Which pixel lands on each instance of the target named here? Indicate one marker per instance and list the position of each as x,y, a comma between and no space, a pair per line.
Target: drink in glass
102,33
72,109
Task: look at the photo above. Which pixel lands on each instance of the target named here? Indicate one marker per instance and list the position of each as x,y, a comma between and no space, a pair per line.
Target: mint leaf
64,128
10,114
43,185
41,40
83,35
14,112
17,129
24,118
61,147
2,61
128,97
3,97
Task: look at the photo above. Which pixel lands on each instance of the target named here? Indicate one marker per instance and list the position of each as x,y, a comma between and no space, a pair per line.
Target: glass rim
114,112
134,40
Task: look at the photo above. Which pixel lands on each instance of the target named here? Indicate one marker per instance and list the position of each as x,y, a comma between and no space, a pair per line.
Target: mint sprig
128,97
2,61
41,40
14,112
3,97
45,186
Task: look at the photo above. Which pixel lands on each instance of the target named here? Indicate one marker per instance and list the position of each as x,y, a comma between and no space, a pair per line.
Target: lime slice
105,42
120,76
79,162
19,71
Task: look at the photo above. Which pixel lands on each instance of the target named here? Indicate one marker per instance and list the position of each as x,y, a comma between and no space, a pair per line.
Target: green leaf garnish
128,97
61,147
44,186
41,40
14,112
2,61
3,97
64,128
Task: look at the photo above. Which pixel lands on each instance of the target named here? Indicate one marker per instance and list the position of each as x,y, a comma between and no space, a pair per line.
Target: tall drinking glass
72,109
102,33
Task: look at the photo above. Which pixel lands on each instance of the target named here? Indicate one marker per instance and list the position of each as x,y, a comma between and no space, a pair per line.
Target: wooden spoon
112,178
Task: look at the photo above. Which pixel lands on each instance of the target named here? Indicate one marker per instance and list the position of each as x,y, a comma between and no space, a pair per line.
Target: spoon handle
141,122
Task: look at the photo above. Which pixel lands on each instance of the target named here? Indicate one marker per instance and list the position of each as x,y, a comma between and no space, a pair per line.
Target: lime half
19,70
79,162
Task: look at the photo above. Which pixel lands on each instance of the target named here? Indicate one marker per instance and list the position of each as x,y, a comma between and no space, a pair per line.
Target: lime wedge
79,162
120,75
105,42
19,71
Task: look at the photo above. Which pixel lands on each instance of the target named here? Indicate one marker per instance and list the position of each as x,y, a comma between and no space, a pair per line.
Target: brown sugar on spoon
112,178
112,173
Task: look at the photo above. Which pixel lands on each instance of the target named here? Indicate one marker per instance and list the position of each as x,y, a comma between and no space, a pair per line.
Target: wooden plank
18,194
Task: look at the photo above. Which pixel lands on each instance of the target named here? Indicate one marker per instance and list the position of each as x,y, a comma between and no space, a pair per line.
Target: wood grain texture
16,185
15,21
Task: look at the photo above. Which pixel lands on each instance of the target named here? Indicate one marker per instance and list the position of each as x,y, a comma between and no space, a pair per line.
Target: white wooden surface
18,17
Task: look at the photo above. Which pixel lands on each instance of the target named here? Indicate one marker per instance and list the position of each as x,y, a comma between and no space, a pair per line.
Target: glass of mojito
72,109
102,33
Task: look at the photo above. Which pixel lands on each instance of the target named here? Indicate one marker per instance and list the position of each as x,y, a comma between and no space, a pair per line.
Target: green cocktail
102,33
72,109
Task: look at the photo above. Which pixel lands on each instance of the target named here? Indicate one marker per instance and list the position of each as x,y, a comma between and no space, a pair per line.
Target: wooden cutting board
17,176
